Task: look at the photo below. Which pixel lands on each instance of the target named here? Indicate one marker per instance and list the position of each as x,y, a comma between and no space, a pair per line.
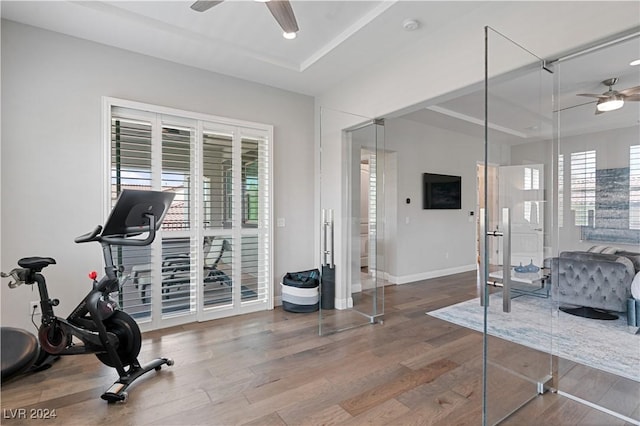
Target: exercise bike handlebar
125,239
89,236
18,274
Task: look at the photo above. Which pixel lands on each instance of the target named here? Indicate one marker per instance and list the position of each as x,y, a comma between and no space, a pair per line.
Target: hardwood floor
272,368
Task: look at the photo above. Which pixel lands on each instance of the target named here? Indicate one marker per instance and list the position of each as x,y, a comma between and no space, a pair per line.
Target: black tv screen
441,191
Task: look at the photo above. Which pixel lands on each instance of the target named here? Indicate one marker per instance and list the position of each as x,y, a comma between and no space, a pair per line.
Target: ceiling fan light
610,104
289,36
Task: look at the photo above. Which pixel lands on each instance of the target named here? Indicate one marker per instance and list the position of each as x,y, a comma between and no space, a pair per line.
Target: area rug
605,345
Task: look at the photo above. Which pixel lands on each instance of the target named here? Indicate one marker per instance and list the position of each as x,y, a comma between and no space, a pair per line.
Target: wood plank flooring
272,368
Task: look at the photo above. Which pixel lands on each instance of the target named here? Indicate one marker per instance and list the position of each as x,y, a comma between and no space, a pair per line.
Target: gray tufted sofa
594,280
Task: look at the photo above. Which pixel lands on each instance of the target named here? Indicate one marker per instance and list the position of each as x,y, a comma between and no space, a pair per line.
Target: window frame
583,187
200,122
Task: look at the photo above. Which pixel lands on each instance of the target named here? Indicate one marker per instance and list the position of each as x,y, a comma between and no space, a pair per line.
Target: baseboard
343,303
405,279
356,287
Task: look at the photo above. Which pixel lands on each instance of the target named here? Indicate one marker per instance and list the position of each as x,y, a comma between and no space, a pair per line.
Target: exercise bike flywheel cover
52,339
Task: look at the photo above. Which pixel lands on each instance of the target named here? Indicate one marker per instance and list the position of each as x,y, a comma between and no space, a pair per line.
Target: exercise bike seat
36,263
20,350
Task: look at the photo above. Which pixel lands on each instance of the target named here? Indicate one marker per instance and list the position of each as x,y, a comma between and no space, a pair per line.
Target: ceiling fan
280,9
613,99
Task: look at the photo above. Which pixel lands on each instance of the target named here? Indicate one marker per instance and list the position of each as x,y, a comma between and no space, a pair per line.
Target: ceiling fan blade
591,95
630,91
283,12
202,5
632,98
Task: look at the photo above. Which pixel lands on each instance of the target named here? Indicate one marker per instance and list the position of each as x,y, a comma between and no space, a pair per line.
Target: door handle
506,260
482,264
327,235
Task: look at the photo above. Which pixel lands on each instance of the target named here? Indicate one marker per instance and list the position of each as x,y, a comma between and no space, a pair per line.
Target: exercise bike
104,330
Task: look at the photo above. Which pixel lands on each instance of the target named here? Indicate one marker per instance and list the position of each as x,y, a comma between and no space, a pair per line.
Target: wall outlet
34,308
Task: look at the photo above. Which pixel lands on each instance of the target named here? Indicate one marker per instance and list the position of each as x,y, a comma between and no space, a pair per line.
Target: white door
522,191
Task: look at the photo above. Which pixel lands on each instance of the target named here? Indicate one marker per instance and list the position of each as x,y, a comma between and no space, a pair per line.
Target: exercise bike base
117,391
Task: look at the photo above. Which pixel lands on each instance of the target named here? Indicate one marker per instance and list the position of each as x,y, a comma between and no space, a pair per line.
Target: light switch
280,222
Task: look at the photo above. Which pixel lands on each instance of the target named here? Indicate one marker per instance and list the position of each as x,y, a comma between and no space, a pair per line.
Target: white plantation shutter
212,256
583,185
131,146
217,167
255,218
178,254
372,211
561,190
176,175
218,213
634,187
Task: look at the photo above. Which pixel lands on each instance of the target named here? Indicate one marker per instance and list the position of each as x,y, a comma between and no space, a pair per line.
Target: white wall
52,170
432,243
424,242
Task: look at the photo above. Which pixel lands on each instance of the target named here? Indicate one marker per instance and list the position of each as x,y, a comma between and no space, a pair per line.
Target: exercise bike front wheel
129,339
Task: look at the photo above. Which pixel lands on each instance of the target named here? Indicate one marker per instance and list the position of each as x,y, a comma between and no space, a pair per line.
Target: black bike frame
91,330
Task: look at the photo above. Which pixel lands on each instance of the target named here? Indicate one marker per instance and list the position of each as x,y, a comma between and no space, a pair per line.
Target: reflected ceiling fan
280,9
613,99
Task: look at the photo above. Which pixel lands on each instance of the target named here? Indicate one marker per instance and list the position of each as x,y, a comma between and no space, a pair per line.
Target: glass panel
217,180
352,204
218,271
250,183
252,287
255,219
601,172
130,156
518,310
367,206
135,296
176,176
178,292
131,169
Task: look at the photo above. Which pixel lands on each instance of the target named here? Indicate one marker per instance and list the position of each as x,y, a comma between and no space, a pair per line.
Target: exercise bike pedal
115,393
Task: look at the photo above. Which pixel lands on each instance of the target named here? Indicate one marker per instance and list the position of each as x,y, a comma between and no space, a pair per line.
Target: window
250,183
634,187
531,178
531,181
583,186
560,190
218,173
214,257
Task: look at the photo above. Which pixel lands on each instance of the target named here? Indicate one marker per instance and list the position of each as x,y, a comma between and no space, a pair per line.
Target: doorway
352,235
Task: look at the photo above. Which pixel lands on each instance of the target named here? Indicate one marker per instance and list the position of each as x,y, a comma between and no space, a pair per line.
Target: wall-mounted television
441,191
